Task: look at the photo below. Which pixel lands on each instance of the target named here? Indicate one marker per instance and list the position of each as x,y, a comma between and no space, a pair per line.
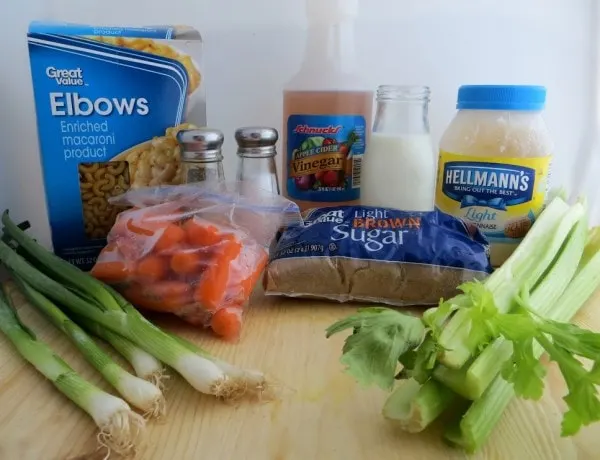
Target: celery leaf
525,371
380,337
576,340
582,399
425,360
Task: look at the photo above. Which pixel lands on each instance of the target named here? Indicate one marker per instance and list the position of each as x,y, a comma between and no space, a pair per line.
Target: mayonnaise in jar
494,163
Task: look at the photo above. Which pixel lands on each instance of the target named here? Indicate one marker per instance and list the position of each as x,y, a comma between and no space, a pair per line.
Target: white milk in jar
494,163
398,169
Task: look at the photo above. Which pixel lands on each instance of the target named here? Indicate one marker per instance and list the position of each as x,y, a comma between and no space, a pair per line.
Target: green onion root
249,382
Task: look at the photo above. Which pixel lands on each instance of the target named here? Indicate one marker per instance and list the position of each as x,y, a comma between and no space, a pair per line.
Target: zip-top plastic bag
194,250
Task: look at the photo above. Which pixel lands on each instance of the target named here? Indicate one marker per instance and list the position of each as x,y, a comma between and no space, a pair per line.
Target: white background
254,46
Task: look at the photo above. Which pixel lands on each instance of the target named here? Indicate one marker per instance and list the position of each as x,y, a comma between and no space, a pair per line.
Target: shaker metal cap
256,136
200,143
256,141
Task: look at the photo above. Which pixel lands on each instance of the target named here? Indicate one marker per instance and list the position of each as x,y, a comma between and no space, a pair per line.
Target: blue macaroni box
109,103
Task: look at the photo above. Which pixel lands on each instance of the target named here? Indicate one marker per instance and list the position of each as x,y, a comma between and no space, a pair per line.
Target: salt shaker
201,155
256,157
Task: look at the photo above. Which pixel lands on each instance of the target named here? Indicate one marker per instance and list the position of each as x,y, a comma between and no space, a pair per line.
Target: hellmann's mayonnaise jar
494,163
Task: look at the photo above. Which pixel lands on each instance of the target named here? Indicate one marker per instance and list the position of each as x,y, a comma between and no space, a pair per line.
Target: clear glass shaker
256,162
399,165
201,155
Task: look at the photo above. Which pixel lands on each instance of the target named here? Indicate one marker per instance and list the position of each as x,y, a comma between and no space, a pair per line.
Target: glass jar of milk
399,166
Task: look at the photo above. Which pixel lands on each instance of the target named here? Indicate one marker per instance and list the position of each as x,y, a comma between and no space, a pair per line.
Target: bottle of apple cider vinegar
327,111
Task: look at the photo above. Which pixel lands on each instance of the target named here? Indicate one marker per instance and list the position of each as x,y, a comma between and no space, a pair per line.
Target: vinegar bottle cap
330,11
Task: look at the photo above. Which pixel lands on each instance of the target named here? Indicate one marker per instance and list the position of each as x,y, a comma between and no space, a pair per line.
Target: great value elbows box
109,102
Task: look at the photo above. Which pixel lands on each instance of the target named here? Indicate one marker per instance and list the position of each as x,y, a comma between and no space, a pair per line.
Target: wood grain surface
321,415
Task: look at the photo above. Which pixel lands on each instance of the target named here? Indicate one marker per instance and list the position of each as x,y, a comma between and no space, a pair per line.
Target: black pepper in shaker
201,155
256,157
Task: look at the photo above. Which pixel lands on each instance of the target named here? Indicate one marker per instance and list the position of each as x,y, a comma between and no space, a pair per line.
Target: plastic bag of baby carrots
196,250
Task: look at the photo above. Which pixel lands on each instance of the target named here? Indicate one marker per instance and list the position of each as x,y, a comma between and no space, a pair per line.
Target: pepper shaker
201,155
256,157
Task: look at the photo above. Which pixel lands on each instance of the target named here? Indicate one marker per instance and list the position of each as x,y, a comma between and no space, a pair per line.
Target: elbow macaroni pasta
97,183
147,45
156,162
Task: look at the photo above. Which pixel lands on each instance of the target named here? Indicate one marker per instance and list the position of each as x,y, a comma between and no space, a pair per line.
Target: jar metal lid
256,141
200,144
501,97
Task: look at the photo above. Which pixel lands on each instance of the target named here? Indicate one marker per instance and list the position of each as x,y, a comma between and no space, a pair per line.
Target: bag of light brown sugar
378,255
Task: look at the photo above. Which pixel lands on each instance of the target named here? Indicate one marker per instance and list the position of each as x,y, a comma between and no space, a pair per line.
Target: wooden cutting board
322,415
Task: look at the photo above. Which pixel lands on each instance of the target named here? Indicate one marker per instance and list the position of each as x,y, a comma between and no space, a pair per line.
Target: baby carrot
260,264
172,235
151,269
111,266
228,249
201,235
212,286
137,295
215,284
111,271
169,289
186,262
227,323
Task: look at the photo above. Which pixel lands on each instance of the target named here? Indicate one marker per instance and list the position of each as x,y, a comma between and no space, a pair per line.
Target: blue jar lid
501,97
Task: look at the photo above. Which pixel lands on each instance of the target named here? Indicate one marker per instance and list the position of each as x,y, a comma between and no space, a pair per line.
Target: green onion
106,297
138,392
203,374
256,379
59,268
145,365
120,427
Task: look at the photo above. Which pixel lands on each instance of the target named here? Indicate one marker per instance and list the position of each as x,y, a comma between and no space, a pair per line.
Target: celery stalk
453,436
454,379
471,381
120,427
415,406
524,268
482,416
489,363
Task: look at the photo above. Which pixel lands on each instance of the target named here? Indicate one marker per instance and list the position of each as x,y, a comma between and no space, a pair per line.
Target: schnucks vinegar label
501,196
324,157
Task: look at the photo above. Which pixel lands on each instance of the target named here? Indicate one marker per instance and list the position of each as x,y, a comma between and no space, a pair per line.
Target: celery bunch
482,347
